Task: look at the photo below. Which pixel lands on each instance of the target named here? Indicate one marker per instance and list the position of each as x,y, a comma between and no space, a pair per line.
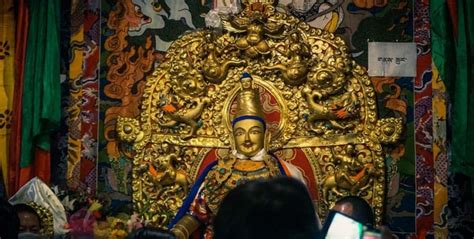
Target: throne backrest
320,106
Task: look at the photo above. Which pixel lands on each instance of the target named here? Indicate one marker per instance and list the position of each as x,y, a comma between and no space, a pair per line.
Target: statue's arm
185,227
196,209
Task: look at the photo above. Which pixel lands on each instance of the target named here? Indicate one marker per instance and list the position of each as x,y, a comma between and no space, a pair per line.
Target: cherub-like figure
349,174
295,69
215,68
165,173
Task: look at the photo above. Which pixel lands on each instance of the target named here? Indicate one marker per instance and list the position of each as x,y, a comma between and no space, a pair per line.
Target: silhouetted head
151,233
356,208
8,220
278,208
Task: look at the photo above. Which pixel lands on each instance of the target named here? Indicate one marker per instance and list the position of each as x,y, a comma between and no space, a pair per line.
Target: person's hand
385,232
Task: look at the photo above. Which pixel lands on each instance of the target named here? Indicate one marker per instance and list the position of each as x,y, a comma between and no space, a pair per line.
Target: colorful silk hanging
15,140
7,79
453,37
82,106
90,87
60,147
463,92
41,92
74,123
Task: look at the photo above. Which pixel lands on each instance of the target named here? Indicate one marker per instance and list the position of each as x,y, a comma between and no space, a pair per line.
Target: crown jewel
263,2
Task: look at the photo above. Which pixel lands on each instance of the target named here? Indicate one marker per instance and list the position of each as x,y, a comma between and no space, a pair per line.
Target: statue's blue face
249,137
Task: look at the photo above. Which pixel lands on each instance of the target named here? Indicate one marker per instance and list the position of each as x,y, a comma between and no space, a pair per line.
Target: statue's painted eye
156,6
255,132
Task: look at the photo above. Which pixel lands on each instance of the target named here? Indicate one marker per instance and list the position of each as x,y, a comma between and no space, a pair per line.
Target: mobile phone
371,234
340,226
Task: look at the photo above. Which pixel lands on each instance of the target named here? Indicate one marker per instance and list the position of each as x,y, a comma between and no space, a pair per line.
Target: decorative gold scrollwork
215,68
319,100
349,173
349,170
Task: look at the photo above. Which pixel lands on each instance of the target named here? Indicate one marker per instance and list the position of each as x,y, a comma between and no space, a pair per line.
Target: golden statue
303,100
248,160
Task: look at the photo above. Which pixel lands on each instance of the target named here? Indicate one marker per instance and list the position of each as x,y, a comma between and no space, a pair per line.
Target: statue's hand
185,227
178,234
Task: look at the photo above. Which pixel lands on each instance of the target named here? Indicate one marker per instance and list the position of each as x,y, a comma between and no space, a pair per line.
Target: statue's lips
248,144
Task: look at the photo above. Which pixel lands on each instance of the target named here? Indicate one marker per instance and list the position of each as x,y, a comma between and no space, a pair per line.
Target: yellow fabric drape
7,79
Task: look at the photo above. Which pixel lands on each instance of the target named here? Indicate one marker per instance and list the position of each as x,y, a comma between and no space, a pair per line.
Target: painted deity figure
248,160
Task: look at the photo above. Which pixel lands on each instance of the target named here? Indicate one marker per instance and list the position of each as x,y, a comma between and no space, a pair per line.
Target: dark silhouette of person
9,222
151,233
357,208
277,208
360,210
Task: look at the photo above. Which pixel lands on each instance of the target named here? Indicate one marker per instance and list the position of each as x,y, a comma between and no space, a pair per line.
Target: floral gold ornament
129,129
315,100
46,218
387,131
349,173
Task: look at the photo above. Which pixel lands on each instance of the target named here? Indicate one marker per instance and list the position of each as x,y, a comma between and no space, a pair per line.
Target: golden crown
263,2
248,101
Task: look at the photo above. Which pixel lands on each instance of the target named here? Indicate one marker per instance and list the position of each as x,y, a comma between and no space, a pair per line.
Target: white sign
392,59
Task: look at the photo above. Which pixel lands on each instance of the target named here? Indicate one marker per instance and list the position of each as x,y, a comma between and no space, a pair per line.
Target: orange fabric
287,172
40,168
15,133
43,165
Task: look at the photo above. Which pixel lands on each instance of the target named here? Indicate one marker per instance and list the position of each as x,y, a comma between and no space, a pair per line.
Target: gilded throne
319,106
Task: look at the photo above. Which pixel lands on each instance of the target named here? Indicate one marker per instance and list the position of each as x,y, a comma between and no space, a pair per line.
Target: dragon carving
344,107
188,117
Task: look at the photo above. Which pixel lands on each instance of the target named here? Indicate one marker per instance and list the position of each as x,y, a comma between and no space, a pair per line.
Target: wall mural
136,33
